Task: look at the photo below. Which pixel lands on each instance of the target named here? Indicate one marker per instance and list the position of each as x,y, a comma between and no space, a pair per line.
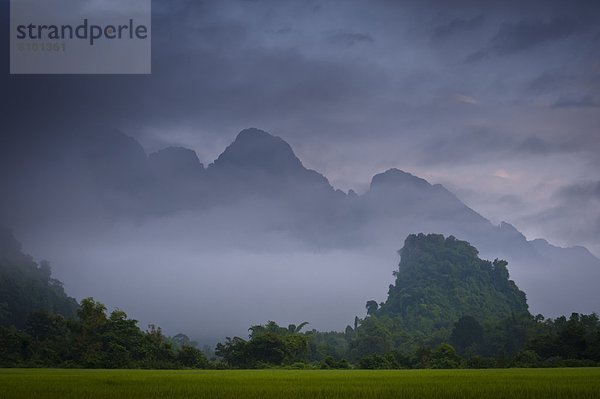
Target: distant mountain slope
439,280
26,287
399,200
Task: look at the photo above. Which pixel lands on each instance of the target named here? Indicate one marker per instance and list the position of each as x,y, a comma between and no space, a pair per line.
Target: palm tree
296,329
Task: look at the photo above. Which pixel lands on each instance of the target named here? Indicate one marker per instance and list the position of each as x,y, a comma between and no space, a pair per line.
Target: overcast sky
500,103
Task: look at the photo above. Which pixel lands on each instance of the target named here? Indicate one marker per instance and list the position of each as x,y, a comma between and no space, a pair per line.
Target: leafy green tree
14,347
331,363
92,324
42,326
466,332
526,358
122,340
180,340
191,357
267,348
159,351
269,344
292,328
327,344
374,362
423,357
372,337
51,338
372,307
233,352
577,337
445,357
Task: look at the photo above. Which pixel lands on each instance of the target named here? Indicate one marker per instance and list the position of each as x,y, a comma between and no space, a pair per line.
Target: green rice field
573,383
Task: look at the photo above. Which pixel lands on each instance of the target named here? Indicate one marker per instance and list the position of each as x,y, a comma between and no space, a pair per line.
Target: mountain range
94,177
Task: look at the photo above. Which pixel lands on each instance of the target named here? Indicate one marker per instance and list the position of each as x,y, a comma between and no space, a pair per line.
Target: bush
527,358
374,362
480,362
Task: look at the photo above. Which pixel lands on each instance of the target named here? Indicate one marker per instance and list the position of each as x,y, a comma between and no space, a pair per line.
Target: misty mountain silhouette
397,180
256,149
394,187
175,161
259,163
99,176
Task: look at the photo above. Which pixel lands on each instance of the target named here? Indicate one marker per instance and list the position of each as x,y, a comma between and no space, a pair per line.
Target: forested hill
26,287
440,280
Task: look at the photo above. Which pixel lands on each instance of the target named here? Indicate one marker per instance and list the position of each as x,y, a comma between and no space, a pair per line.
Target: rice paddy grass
575,383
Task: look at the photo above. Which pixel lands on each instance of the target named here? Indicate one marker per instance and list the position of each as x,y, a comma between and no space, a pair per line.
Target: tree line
94,339
97,339
447,309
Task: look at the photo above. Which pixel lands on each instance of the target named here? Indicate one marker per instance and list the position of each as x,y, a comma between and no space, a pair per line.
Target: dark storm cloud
224,66
512,200
457,25
548,82
339,75
587,191
524,35
576,215
516,37
536,145
476,143
578,102
356,87
350,38
212,69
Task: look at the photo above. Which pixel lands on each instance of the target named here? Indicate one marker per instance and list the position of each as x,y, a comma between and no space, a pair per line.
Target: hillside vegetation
439,280
26,286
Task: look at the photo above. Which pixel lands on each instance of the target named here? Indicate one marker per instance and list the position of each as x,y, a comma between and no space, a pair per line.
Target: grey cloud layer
575,214
357,87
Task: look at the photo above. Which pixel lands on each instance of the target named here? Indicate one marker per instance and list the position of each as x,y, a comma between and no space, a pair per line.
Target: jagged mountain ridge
258,163
107,176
